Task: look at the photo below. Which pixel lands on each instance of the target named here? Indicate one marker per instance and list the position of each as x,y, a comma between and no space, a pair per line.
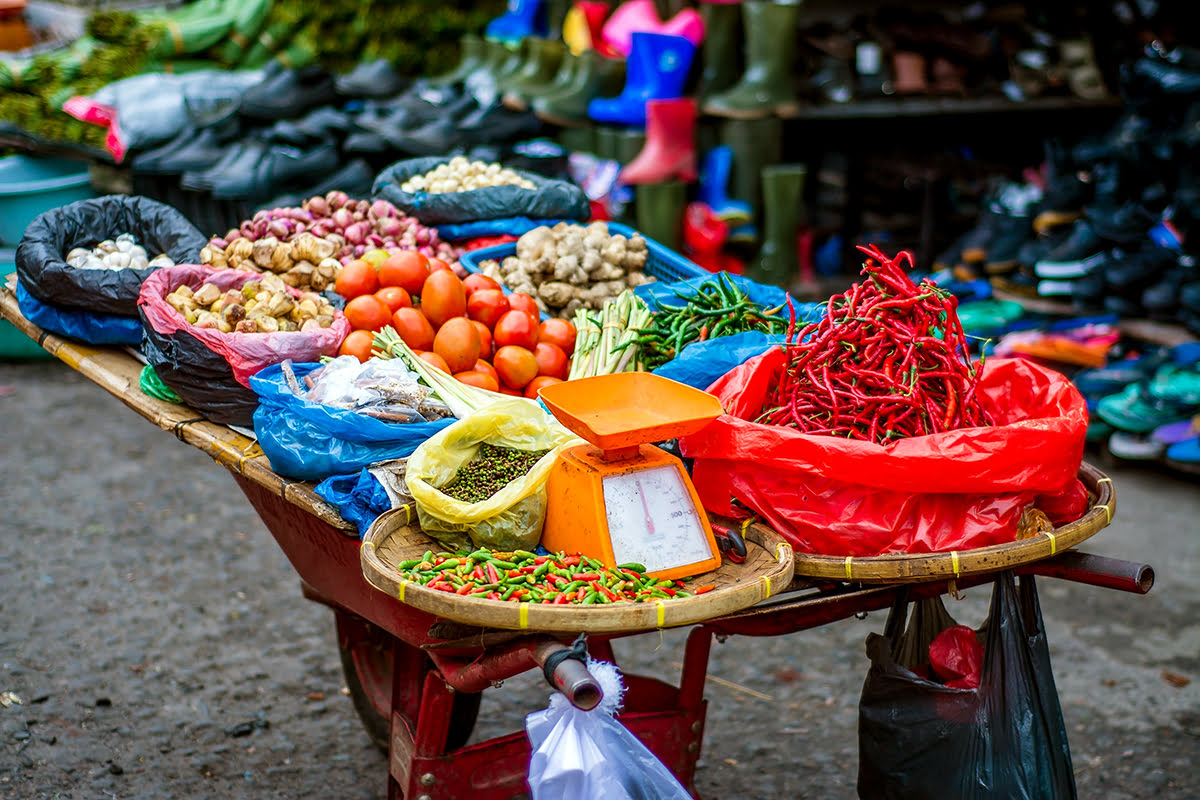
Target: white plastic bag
590,755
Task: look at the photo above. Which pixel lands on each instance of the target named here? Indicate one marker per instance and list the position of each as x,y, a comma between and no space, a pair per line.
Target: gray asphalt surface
158,642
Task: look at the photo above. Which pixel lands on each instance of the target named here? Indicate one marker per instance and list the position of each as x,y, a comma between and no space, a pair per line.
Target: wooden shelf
915,107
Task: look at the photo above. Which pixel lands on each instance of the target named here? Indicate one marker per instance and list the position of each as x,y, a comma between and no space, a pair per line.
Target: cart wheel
366,653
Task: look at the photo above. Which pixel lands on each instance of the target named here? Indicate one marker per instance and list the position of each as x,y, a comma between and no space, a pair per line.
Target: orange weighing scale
620,499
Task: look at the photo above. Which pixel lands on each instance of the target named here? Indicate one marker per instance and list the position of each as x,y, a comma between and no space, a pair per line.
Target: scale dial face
652,519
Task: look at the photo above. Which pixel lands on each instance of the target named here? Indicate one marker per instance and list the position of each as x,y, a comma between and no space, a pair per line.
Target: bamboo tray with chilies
394,538
923,567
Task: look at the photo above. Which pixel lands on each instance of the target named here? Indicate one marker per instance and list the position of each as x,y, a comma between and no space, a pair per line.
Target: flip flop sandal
1186,452
1133,447
1177,432
1178,385
1099,431
1135,410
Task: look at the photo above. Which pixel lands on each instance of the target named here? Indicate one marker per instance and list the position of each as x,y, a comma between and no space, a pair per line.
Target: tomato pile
469,328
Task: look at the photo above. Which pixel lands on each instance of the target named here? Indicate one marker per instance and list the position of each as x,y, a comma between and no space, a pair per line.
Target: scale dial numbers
652,519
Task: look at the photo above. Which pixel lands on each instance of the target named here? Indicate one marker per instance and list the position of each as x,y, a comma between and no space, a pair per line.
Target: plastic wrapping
552,199
921,740
246,353
359,498
308,440
949,491
85,326
590,755
157,227
512,518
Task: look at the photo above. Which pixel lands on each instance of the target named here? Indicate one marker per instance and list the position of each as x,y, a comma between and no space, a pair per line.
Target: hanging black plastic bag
157,227
1005,740
549,199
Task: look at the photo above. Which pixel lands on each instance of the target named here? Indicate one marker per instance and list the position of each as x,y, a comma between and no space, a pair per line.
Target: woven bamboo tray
393,538
922,567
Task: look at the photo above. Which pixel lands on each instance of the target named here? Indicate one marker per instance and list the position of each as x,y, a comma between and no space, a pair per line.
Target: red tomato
436,264
356,279
357,344
487,306
560,332
367,313
407,269
515,365
458,343
551,360
442,297
485,339
516,327
535,385
523,302
480,379
486,369
435,360
413,328
395,297
514,392
475,281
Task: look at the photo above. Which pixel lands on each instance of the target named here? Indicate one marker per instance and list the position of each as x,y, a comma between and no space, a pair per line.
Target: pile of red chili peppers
523,577
888,361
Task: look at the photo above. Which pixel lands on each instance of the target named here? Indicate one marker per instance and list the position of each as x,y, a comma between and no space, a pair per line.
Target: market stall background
155,635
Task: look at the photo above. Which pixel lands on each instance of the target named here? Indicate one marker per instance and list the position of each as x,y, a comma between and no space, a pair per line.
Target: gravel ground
158,642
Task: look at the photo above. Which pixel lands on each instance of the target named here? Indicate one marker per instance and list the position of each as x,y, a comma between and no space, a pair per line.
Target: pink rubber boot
642,16
670,149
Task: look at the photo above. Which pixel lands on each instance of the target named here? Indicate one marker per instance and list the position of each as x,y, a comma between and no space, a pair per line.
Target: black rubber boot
474,56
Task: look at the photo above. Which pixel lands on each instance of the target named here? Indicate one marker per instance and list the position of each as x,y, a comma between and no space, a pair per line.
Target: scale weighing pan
629,408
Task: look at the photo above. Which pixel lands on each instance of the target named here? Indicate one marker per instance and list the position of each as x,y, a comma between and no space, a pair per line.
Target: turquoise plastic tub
14,345
29,186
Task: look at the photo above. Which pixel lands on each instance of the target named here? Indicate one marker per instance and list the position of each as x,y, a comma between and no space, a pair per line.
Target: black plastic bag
202,379
552,199
157,227
1005,740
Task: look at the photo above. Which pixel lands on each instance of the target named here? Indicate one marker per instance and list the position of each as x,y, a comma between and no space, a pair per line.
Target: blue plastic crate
662,263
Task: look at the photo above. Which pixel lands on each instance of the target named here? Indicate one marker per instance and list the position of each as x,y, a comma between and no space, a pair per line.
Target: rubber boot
641,16
783,213
755,144
580,140
714,185
556,14
524,18
594,76
538,71
670,151
472,58
513,63
722,43
766,86
563,79
606,142
492,58
581,28
657,68
628,143
659,212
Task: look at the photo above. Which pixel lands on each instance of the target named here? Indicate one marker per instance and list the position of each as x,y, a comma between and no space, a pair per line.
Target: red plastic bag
956,656
948,491
246,353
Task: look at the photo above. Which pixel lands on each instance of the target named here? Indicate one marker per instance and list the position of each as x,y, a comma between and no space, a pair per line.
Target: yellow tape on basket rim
523,615
662,613
954,562
779,548
1053,542
1105,479
849,571
400,593
1107,514
767,586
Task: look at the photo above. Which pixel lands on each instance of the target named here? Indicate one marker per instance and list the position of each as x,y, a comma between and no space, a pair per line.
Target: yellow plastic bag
512,518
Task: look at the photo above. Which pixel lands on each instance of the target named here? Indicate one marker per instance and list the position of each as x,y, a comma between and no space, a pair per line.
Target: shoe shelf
914,107
1165,334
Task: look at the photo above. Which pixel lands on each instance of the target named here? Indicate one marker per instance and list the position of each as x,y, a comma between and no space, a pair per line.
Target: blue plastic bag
85,326
304,440
511,226
359,498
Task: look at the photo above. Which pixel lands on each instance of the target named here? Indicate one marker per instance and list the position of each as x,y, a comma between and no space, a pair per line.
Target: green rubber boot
659,211
630,142
606,142
722,42
473,57
783,214
595,76
563,80
756,144
538,71
512,63
766,86
581,140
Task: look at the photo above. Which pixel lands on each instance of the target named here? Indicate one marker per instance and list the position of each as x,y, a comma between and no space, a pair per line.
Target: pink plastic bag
246,353
948,491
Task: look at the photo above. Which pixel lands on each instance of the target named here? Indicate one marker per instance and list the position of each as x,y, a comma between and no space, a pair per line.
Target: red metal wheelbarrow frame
416,679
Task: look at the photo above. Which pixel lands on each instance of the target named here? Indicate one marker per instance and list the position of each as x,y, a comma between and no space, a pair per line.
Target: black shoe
1035,249
1132,273
1126,307
288,94
370,79
1189,297
1077,255
365,143
1065,193
278,168
497,124
242,156
440,135
355,179
1089,290
1163,297
1129,224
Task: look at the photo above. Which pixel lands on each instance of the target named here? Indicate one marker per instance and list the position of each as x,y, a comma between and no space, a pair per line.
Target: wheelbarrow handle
567,674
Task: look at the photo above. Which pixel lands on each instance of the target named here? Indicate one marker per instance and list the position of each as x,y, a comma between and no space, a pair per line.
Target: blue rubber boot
523,18
714,182
657,68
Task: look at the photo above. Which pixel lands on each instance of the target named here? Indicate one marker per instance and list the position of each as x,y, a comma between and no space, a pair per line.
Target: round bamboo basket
922,567
394,538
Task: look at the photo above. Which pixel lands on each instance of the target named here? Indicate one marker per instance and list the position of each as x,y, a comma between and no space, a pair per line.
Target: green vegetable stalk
606,343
